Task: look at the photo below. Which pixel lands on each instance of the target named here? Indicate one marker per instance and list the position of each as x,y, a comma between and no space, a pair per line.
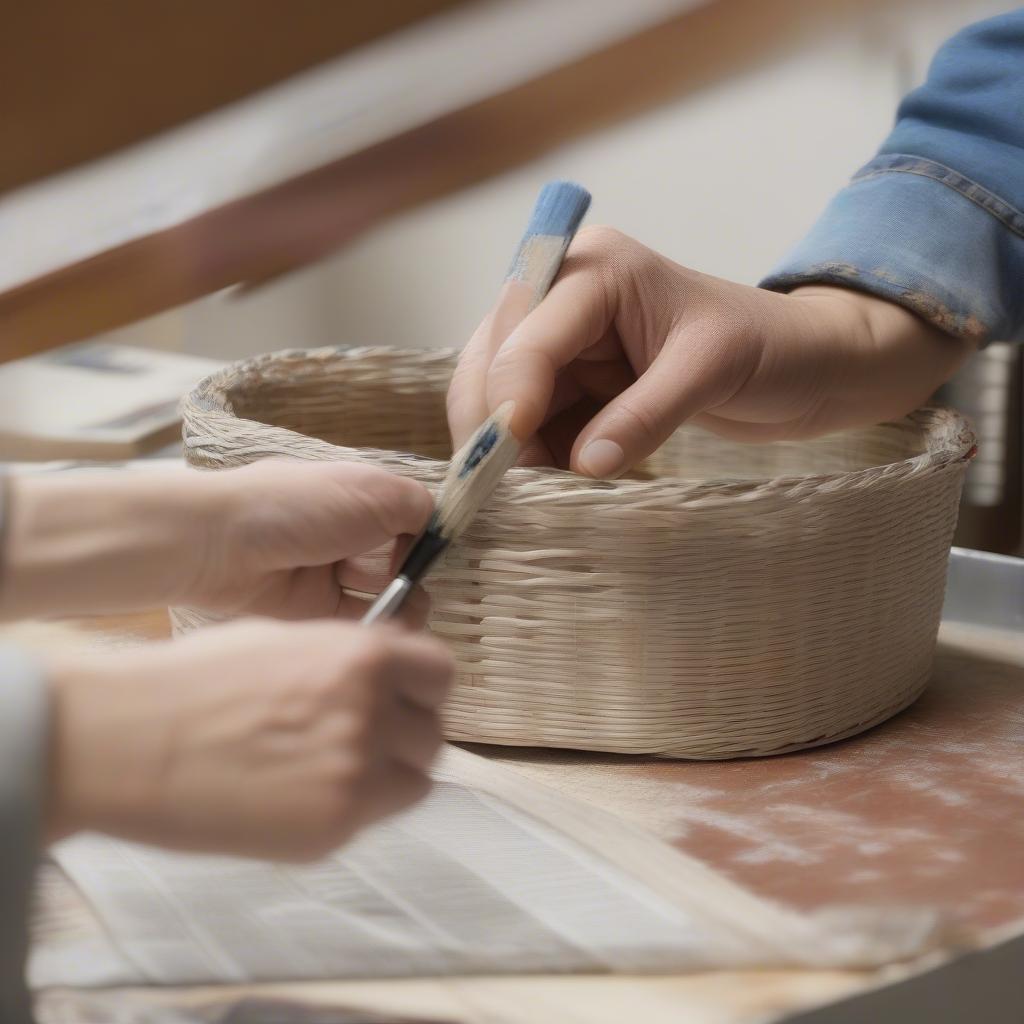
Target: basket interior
390,402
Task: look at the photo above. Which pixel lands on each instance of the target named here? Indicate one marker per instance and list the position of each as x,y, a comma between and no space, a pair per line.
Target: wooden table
928,808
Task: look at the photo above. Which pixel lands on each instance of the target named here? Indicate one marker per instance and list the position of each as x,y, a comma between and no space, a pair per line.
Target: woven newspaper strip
730,600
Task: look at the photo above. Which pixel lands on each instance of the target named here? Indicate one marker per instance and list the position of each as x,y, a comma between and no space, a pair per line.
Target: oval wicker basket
735,600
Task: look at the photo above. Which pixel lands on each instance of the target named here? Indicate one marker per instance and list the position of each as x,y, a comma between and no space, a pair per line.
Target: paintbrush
476,468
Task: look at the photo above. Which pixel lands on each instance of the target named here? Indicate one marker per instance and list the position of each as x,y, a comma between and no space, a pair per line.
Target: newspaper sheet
493,874
465,883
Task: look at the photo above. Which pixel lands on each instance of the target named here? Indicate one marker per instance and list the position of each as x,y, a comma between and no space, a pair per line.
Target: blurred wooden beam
279,229
81,78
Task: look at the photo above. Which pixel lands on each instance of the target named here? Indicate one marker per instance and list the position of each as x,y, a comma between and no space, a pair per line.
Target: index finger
573,316
467,393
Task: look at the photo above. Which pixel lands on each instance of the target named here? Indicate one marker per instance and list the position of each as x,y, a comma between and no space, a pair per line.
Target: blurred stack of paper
94,401
461,885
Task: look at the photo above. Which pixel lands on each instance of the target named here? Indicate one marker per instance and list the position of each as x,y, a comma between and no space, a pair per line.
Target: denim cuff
918,233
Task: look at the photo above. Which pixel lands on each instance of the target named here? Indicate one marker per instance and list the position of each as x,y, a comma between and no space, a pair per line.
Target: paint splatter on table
927,808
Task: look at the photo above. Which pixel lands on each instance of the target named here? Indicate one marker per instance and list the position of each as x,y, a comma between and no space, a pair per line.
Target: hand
628,345
257,738
283,538
275,538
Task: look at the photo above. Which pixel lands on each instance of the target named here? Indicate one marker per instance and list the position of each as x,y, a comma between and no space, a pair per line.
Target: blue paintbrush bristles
560,207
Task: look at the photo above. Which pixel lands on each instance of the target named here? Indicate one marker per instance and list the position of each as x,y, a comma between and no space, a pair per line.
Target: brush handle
390,600
560,208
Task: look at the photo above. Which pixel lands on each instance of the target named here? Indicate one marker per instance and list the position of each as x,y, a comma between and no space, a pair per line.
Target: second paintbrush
477,467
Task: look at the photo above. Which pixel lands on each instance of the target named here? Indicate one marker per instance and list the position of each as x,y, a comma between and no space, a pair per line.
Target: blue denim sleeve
934,221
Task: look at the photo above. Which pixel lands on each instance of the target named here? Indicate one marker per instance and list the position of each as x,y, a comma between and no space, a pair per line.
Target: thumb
694,371
316,513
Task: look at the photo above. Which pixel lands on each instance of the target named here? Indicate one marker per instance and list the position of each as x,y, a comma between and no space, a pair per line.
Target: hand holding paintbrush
477,467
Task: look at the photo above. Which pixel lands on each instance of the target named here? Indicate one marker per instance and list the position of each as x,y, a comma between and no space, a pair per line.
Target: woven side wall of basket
733,600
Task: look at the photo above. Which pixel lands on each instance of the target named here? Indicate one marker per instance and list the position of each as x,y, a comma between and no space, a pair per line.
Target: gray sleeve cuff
24,722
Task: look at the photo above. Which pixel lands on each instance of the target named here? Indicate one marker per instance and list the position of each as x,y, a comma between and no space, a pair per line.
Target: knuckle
506,358
395,501
640,422
607,250
613,264
599,239
391,493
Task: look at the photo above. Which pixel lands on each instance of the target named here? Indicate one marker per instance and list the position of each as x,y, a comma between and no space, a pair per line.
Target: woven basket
735,600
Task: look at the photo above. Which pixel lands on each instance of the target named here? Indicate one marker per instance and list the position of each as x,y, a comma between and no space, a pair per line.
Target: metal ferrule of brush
391,598
421,557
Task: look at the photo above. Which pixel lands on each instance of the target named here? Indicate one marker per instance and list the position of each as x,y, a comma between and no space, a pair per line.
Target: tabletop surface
927,809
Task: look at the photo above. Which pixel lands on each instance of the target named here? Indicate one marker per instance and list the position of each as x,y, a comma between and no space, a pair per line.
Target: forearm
84,543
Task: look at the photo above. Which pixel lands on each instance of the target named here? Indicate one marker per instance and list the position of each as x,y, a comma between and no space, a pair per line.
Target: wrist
888,360
94,543
102,747
845,316
871,325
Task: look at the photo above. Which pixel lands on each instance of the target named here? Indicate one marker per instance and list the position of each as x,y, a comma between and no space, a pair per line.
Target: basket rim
947,434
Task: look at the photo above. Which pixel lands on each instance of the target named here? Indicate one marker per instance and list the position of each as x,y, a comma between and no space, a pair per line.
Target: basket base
456,735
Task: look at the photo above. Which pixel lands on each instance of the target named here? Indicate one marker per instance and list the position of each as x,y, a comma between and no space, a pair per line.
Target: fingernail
602,458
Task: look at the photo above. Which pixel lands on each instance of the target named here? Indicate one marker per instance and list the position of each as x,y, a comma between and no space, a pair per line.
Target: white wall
724,180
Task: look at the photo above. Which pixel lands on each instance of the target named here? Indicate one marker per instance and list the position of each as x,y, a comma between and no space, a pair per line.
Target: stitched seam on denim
888,287
895,163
